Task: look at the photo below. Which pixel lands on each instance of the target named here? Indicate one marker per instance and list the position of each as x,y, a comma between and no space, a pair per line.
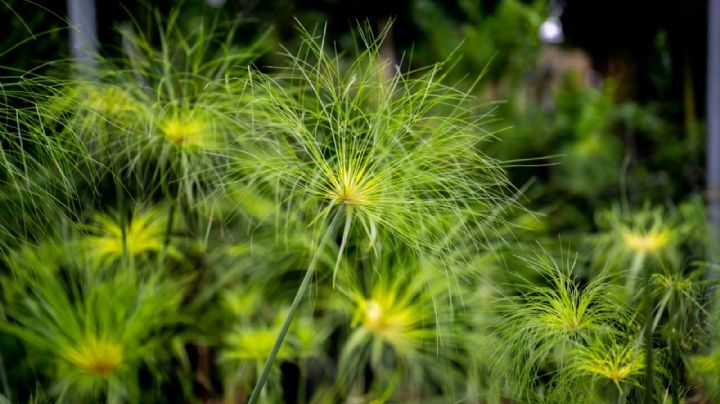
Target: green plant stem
649,373
293,308
123,220
674,349
168,230
346,232
619,395
637,265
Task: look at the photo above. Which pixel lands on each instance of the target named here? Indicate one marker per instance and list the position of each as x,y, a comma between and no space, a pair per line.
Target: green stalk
123,219
637,265
293,308
619,395
168,231
674,349
649,373
120,199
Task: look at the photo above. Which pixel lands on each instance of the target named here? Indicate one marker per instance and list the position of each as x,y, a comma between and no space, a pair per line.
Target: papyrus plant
408,328
557,329
371,159
92,329
160,117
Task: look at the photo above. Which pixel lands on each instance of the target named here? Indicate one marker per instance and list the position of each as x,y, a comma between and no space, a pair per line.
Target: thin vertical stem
345,234
619,395
122,219
293,308
648,337
636,266
168,230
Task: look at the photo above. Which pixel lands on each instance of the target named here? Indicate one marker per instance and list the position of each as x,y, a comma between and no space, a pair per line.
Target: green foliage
408,323
399,155
504,40
550,331
180,225
91,329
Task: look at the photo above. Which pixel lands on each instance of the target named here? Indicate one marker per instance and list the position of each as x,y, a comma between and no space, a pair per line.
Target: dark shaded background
610,31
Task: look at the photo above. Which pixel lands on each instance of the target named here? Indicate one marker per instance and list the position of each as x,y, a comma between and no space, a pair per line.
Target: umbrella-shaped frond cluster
408,324
401,156
552,328
90,328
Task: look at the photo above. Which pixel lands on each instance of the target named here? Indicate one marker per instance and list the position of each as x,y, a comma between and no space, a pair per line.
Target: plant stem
123,220
293,308
168,231
649,373
346,232
636,266
619,395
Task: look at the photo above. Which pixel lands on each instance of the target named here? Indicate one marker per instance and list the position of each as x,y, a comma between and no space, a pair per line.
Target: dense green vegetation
314,215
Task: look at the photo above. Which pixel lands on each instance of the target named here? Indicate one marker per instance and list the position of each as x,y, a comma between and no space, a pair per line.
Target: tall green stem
619,395
648,337
293,308
123,220
168,231
636,266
